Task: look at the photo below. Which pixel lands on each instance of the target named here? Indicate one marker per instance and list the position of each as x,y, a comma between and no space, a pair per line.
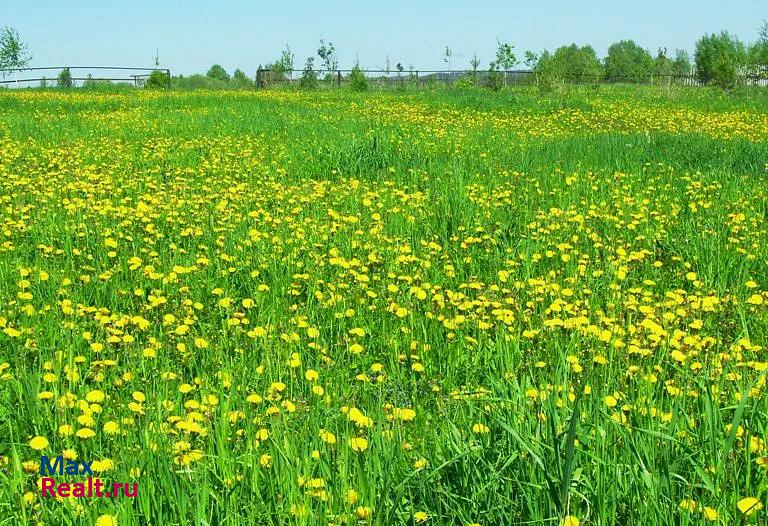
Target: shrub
467,81
240,79
357,80
628,62
198,81
570,63
494,80
65,79
309,76
718,58
682,63
156,80
218,73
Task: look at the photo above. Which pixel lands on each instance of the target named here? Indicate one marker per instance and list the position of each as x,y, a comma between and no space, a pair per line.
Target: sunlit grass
448,307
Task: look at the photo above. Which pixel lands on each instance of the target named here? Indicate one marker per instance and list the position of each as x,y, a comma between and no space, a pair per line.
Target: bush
467,81
156,80
357,80
241,80
718,58
569,63
308,76
218,73
628,62
494,80
198,82
65,79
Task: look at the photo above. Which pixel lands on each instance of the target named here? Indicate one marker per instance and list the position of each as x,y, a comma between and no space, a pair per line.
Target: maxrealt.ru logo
91,487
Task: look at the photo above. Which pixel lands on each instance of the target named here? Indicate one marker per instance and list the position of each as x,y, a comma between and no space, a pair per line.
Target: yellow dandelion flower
749,505
38,443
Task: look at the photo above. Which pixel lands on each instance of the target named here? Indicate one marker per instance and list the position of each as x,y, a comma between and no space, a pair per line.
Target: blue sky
192,35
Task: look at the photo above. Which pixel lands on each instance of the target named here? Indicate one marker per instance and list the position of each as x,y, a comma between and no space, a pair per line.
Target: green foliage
309,76
327,54
758,54
357,80
467,81
758,51
718,57
628,62
681,65
505,56
285,63
13,52
91,83
662,65
241,80
555,239
156,80
494,79
198,81
218,73
530,59
64,79
572,63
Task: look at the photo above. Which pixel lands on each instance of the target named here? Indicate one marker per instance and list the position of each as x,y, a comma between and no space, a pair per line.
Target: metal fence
79,76
265,78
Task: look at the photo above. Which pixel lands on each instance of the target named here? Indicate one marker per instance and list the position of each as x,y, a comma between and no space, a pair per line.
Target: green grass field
449,307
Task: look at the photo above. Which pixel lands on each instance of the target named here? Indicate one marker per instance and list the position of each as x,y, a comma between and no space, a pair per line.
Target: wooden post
338,78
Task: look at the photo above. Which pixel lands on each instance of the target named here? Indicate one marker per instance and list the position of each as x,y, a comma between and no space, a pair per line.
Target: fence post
168,72
338,78
259,79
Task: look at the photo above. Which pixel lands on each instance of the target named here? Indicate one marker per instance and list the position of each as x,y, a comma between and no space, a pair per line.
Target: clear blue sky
192,35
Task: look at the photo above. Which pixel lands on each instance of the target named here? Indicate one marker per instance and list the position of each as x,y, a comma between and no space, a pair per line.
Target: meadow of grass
449,307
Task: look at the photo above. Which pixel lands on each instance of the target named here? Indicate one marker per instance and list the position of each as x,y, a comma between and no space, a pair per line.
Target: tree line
718,59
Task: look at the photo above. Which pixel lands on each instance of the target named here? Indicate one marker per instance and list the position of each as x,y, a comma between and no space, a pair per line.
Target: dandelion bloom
38,443
358,444
749,505
106,520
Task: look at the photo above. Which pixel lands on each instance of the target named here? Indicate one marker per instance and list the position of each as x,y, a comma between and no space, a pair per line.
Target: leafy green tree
285,63
758,51
505,56
505,59
628,62
494,78
308,75
14,54
570,63
530,59
218,73
327,53
357,79
718,57
64,79
681,65
240,79
662,65
156,80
